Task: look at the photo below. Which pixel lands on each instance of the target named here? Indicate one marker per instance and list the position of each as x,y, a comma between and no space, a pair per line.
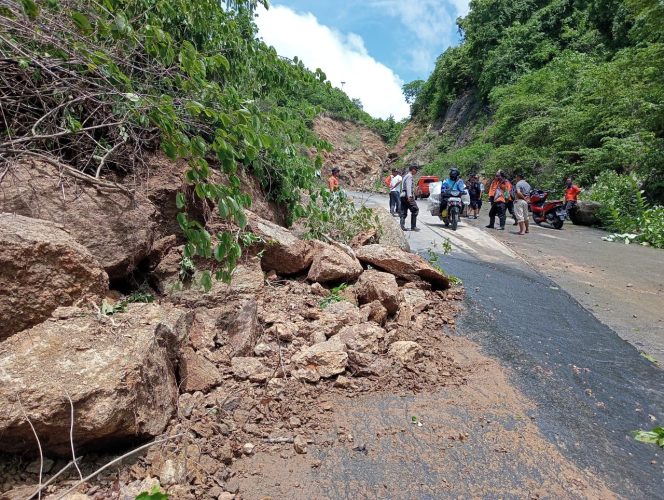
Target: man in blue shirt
453,182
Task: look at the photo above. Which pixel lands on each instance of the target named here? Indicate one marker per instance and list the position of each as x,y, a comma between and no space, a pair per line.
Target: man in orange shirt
571,195
499,194
333,181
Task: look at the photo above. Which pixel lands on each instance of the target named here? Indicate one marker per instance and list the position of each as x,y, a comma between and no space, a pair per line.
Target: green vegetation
564,87
100,85
655,436
557,89
334,216
155,493
334,296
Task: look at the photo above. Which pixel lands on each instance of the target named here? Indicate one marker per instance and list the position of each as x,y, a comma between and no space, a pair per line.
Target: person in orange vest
333,181
499,194
572,192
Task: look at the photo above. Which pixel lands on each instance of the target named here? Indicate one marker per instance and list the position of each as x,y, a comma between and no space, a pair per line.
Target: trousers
407,205
395,205
497,208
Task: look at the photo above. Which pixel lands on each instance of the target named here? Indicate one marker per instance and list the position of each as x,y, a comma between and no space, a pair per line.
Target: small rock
249,368
318,289
405,351
262,349
33,468
225,496
170,473
342,382
283,331
300,445
326,406
248,448
318,337
295,422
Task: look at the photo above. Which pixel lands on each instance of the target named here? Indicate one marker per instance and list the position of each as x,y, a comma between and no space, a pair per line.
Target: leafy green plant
155,493
140,296
433,259
335,216
655,436
334,296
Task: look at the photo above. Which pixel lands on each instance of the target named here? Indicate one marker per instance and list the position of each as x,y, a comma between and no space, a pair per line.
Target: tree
412,90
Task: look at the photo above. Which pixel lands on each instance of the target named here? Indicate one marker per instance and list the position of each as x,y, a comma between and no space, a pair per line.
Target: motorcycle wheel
535,220
455,218
557,224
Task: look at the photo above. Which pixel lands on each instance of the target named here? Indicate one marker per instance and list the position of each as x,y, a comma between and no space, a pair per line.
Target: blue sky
373,45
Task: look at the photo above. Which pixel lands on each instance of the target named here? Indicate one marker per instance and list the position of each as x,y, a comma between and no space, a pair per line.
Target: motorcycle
451,214
551,212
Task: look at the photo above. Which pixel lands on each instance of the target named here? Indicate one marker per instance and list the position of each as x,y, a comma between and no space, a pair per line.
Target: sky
374,46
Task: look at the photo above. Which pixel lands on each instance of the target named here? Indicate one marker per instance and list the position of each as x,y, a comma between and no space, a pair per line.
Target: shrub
334,215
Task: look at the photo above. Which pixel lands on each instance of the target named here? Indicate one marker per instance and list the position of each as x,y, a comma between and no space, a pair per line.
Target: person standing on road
499,192
408,199
475,189
522,195
509,203
572,192
333,181
395,192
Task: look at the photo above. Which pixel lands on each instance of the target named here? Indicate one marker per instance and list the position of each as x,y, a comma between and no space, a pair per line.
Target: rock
294,422
332,265
391,235
171,472
41,269
249,368
283,252
318,337
342,382
331,320
226,496
363,343
368,237
132,490
46,466
282,331
402,264
196,372
160,249
318,290
320,361
300,445
239,331
414,298
585,213
262,349
376,285
115,227
248,448
118,374
405,351
375,312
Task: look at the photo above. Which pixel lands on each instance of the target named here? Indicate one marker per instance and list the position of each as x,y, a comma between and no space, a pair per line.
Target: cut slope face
359,152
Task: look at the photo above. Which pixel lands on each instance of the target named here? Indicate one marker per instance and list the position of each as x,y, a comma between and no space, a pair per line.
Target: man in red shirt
571,194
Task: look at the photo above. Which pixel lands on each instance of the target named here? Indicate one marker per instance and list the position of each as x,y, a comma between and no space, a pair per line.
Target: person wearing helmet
333,181
408,199
453,183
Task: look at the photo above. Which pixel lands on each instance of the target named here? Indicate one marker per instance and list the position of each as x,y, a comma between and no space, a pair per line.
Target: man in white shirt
395,191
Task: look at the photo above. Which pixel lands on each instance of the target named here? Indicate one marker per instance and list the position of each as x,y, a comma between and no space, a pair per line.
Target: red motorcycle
551,212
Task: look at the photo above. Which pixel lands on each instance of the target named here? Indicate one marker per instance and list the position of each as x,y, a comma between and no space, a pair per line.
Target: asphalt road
591,387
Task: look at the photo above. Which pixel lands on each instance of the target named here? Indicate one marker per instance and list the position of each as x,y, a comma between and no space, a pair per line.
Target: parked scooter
451,214
551,212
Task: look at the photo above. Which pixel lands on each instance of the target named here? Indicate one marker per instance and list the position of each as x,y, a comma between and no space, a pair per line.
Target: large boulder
283,252
585,213
376,285
332,265
115,227
363,343
118,372
41,269
402,264
391,234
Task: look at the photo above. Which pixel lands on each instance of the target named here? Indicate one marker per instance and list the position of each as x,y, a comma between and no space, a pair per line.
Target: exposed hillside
359,152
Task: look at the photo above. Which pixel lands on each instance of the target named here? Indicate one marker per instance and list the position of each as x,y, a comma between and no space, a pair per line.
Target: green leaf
180,201
82,22
206,281
30,8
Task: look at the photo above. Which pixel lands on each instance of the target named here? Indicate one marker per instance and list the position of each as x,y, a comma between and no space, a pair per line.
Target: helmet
335,170
454,174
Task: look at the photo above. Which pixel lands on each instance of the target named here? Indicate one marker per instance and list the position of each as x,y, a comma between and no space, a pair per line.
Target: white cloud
432,23
343,58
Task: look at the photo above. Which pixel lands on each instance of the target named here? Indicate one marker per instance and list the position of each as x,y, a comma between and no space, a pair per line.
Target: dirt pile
360,153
